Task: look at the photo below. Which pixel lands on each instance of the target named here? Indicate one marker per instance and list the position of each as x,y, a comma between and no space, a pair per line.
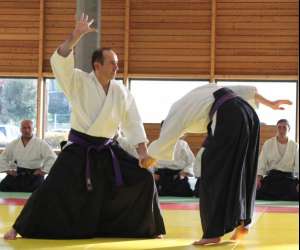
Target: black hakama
24,181
63,207
229,167
171,184
278,185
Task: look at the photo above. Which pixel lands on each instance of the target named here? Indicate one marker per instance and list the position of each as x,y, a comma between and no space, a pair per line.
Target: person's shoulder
118,85
182,142
121,90
270,140
294,143
13,143
41,141
83,74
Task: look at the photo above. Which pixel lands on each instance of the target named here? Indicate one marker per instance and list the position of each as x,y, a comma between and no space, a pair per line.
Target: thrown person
228,158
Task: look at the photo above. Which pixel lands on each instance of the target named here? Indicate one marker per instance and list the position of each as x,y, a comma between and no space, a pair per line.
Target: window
155,97
274,91
17,102
58,114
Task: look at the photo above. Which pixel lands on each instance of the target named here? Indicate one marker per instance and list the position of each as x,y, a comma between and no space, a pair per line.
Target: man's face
26,129
282,129
109,68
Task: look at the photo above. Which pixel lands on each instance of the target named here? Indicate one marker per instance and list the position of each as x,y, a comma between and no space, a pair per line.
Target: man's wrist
141,149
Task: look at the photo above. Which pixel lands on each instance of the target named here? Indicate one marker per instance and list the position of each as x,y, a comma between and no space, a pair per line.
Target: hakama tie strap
77,139
228,95
221,96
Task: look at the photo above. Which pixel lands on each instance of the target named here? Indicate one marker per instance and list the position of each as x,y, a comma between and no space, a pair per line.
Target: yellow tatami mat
270,230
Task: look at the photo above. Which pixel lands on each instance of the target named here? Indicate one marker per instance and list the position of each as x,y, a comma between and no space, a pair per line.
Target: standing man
25,160
229,155
94,188
278,167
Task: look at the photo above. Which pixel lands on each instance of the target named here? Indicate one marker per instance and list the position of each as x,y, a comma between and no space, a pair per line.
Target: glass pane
155,97
58,114
17,102
274,91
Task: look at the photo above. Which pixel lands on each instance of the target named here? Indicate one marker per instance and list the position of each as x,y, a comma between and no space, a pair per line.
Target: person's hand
39,172
183,175
146,161
83,26
277,105
258,182
12,172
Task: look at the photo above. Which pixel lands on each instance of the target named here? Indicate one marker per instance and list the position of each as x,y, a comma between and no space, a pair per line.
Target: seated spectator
278,167
25,160
171,177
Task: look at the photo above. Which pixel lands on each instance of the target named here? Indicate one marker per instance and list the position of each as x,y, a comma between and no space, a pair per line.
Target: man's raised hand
83,26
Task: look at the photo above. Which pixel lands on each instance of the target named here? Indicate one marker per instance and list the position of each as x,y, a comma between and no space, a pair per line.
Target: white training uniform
284,157
36,154
94,112
190,114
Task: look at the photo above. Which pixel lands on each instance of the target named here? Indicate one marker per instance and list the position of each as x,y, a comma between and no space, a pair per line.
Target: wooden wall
19,36
30,31
59,22
195,140
216,39
257,37
203,39
113,27
210,39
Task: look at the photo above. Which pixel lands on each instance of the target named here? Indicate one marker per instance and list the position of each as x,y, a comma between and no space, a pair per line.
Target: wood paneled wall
210,39
19,36
113,27
257,37
203,39
169,37
195,140
59,22
30,31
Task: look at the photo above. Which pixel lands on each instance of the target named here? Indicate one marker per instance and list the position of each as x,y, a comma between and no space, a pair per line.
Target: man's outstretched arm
276,105
62,61
82,27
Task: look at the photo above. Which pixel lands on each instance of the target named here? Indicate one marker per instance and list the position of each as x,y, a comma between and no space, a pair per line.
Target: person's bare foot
207,241
10,235
159,236
240,232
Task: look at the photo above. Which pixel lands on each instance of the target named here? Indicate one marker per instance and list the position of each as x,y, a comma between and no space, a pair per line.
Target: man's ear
97,65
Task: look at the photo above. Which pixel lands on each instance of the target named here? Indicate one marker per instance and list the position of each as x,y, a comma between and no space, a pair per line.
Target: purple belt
77,139
217,104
